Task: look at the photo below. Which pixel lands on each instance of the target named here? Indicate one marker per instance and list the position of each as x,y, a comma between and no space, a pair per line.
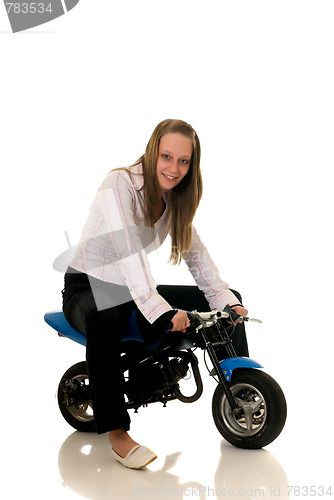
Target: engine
149,380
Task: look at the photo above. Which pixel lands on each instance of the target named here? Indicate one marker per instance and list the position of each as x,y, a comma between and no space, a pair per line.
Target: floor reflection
251,474
86,467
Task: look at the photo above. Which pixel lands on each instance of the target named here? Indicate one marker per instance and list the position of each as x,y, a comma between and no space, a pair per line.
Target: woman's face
174,157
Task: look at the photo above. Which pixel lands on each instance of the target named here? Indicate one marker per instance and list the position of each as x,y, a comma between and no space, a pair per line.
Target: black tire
79,416
266,417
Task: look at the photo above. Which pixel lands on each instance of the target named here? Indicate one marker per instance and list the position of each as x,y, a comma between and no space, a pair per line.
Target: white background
81,95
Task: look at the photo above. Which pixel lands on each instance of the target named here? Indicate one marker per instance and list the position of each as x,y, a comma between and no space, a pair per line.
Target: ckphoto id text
287,491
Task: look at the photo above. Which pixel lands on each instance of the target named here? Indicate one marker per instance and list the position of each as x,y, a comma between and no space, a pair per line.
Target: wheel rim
83,411
254,413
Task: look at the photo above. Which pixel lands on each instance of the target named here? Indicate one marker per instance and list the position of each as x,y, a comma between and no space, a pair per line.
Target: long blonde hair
185,196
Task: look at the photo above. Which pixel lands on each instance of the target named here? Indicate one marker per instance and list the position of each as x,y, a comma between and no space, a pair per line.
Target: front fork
215,361
223,369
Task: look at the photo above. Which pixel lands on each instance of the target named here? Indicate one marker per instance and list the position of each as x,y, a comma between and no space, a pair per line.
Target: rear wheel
263,407
74,398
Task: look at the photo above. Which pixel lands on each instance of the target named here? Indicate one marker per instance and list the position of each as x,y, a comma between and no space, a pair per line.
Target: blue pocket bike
248,406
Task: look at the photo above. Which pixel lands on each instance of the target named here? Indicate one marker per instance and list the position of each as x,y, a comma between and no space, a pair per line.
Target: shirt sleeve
206,275
117,203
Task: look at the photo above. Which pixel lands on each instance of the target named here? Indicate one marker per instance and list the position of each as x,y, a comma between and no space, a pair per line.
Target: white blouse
115,241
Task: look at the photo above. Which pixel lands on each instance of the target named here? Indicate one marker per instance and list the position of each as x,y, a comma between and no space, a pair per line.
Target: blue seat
57,321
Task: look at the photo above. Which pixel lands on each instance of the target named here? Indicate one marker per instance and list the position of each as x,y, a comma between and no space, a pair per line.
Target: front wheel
263,408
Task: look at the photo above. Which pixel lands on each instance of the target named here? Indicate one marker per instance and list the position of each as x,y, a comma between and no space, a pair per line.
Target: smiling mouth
169,177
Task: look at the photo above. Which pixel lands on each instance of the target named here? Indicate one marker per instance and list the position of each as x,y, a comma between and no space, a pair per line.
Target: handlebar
200,320
205,319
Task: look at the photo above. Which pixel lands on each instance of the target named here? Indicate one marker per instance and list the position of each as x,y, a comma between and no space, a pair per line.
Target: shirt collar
137,179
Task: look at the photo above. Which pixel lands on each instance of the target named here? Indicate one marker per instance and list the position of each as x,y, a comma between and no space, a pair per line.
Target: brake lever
251,319
235,316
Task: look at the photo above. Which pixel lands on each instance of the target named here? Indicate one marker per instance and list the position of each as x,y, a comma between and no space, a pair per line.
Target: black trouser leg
239,336
103,356
103,329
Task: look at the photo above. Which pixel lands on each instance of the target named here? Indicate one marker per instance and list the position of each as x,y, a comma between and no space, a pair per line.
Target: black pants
103,328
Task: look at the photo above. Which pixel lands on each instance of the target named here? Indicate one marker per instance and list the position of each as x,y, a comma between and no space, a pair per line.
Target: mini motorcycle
248,406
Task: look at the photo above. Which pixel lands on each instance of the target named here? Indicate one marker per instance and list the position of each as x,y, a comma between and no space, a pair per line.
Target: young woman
133,211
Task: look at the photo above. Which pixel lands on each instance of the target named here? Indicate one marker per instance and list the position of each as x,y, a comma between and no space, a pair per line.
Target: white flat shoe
136,459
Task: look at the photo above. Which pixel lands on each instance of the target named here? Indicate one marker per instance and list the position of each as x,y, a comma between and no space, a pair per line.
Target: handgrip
193,322
233,315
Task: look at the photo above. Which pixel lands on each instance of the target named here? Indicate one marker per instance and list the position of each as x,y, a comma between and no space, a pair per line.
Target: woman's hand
240,310
180,322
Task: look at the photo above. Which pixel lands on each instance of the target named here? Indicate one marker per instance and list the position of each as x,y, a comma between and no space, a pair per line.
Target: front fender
230,364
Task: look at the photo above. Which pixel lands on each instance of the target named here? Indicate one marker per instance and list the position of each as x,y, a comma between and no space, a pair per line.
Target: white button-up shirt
115,241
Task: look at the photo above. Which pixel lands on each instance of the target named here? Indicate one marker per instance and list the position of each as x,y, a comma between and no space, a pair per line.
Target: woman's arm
206,275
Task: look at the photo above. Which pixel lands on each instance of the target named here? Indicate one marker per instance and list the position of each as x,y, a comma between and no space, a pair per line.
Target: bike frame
223,369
